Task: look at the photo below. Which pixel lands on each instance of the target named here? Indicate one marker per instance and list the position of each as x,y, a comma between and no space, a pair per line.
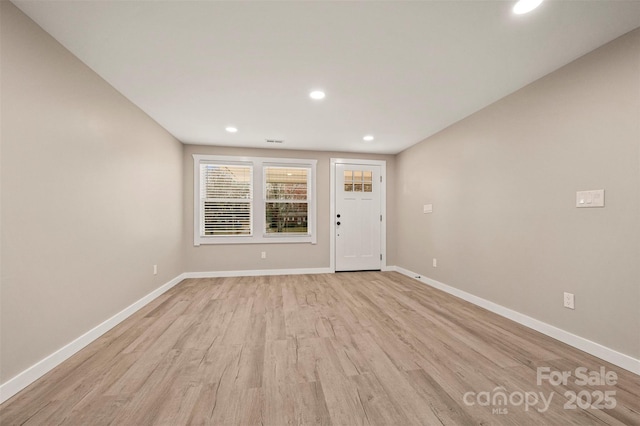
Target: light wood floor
345,349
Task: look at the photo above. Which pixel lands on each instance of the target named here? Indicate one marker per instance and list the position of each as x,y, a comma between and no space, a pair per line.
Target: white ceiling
400,70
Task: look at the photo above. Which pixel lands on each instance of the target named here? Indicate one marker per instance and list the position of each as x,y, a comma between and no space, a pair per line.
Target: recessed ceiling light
525,6
231,129
368,138
317,94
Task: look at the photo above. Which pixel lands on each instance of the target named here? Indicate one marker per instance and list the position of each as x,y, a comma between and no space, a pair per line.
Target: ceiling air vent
274,140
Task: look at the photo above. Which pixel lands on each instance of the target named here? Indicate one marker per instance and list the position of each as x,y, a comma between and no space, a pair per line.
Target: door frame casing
383,208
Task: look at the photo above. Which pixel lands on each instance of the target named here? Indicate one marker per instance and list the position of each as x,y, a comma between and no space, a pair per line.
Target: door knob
338,216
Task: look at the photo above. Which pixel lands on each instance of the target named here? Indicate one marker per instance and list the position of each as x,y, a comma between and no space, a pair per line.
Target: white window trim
258,236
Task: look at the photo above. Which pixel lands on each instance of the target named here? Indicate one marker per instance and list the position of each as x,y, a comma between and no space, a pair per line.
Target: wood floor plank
279,406
378,406
395,384
310,405
448,410
341,395
365,348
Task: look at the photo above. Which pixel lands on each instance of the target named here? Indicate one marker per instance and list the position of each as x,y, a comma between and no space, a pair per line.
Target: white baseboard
39,369
257,272
31,374
593,348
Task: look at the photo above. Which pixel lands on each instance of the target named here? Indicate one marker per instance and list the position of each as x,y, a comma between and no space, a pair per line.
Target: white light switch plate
594,198
428,208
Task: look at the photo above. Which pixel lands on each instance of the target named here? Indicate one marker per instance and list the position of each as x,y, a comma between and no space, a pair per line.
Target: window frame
258,202
201,202
265,166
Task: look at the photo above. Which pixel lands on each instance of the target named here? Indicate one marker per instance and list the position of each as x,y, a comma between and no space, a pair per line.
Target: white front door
358,219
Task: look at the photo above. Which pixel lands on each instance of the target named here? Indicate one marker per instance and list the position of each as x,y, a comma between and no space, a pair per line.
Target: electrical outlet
264,254
594,198
155,269
435,262
569,300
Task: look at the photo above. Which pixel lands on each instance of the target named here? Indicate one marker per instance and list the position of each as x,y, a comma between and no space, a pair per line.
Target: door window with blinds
253,200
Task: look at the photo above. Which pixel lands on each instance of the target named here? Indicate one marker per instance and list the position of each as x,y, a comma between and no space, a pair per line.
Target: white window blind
253,200
286,200
226,195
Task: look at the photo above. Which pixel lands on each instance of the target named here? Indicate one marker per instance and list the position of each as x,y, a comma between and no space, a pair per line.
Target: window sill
267,239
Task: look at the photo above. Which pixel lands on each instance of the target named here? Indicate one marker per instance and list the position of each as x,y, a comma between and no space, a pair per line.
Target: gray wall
91,197
239,257
503,184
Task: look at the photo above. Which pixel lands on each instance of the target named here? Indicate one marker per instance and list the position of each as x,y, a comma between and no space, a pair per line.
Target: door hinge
380,179
380,218
380,256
